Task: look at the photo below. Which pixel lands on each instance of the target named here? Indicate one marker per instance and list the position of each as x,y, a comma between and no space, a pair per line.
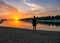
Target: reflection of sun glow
16,19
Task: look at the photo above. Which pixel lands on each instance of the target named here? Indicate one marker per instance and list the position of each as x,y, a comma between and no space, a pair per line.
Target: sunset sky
14,10
32,4
36,7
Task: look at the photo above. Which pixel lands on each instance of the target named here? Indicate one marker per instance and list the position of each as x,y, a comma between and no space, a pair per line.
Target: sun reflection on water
16,19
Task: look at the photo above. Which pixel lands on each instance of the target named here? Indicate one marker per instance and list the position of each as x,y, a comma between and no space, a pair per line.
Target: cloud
1,0
34,6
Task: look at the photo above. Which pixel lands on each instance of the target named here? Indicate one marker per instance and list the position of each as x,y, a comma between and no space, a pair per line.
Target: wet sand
19,35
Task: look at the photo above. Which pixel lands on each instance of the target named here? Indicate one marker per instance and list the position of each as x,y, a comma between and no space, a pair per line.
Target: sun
16,19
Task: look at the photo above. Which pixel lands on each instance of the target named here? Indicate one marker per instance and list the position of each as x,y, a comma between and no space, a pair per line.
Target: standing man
34,23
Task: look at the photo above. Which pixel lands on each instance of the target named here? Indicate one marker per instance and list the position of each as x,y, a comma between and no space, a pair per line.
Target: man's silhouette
34,23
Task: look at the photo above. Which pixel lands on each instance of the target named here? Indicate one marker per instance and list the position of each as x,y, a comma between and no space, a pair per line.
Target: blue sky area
44,3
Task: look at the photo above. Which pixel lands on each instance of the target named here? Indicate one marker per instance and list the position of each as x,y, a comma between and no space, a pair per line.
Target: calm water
25,25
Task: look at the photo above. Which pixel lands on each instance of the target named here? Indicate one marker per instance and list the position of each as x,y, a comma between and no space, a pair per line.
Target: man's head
34,16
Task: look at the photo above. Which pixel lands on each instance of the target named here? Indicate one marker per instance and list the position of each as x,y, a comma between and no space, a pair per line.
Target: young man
34,23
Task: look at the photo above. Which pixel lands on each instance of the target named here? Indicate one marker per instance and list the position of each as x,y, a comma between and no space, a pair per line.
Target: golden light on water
16,19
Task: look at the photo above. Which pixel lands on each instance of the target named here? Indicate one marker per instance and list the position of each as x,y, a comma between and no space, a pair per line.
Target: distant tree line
57,17
49,18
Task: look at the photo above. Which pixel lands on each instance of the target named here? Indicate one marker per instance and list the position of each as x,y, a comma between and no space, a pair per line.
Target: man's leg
34,27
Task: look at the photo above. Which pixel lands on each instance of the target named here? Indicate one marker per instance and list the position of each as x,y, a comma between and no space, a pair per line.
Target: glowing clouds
3,8
4,11
34,6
